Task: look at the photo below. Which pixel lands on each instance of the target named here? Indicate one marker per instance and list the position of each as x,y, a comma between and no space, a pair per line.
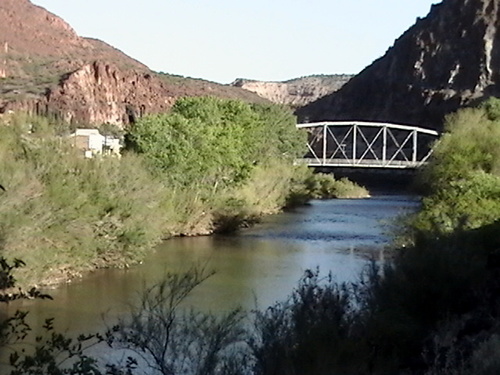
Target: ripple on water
263,262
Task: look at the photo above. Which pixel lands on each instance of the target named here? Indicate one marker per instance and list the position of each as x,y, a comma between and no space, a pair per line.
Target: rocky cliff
296,92
447,60
46,68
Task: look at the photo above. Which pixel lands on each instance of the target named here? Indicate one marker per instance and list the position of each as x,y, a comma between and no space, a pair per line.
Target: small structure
90,141
93,143
111,145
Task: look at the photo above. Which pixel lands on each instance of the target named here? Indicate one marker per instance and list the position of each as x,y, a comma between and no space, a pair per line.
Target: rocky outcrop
296,92
46,68
447,60
101,93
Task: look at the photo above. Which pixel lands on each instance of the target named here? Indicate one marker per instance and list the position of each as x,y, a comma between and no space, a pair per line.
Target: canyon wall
447,60
47,69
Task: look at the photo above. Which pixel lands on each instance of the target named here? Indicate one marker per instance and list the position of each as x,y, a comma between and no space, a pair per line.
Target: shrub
325,186
310,333
463,174
232,215
63,214
171,340
158,334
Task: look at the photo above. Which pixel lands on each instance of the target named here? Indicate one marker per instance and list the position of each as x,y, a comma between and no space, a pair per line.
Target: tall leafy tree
215,141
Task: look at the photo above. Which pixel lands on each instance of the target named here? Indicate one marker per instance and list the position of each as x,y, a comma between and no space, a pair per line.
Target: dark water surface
258,266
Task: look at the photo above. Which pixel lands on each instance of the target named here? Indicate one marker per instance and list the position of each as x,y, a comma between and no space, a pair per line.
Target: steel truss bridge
367,145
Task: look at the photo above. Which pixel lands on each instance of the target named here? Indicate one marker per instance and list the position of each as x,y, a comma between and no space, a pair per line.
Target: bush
231,216
313,332
171,340
464,203
463,176
325,186
64,214
158,333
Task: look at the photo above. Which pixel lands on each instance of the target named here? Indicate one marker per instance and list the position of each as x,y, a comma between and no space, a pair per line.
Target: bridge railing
367,144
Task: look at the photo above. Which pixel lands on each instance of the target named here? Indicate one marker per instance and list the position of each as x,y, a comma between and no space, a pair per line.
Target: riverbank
64,215
433,309
277,196
261,263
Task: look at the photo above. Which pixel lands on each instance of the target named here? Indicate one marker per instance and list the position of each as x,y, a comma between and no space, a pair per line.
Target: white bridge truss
367,145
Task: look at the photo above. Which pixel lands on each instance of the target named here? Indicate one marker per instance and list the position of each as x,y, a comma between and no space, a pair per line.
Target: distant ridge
295,92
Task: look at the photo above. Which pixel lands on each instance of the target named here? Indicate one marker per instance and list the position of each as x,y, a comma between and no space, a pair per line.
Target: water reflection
262,264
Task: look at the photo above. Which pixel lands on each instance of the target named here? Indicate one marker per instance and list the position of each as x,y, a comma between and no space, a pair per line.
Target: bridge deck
346,163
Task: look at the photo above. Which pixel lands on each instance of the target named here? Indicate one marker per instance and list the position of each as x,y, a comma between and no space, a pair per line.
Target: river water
255,268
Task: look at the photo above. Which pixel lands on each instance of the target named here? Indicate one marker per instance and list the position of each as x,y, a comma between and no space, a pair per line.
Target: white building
91,142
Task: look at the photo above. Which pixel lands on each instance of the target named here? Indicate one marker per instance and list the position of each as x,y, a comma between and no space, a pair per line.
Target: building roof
85,132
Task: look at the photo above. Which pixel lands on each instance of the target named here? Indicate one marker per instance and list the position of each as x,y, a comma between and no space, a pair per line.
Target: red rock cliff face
46,68
101,93
447,60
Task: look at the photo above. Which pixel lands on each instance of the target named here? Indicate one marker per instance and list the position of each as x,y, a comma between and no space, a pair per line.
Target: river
254,268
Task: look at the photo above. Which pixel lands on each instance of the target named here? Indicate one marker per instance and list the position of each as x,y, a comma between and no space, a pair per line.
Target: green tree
464,173
214,140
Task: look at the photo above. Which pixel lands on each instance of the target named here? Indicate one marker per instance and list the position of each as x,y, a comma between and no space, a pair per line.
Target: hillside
447,60
296,92
46,68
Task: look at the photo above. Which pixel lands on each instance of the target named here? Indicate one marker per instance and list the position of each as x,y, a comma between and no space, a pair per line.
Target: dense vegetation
216,143
208,165
433,310
463,178
63,214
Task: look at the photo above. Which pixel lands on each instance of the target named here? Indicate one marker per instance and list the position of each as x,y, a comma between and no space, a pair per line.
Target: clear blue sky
221,40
